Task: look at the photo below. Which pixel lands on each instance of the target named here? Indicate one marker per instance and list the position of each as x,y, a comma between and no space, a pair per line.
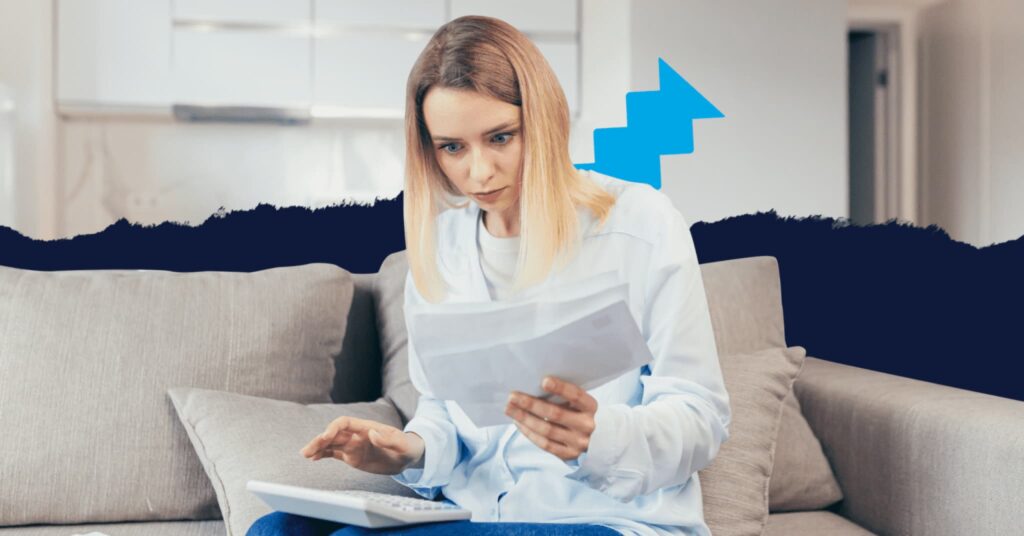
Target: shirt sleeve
443,448
684,415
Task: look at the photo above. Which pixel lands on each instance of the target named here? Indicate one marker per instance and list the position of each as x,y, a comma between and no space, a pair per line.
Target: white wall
26,69
777,70
972,149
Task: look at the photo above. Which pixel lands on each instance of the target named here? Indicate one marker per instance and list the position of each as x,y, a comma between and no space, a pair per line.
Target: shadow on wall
894,298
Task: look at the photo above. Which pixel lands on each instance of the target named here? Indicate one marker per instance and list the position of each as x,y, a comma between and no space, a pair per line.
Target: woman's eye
450,148
503,138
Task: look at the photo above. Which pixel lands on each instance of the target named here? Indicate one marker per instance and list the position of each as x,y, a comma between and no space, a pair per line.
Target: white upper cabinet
272,12
242,53
364,51
241,68
529,16
113,52
381,14
336,58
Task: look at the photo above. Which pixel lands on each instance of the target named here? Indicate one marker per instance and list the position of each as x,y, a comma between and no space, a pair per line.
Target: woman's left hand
561,429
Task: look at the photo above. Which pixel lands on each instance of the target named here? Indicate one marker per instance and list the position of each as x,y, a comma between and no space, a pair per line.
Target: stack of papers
477,353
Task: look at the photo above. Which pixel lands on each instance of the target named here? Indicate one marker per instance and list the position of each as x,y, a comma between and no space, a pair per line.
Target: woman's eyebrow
504,126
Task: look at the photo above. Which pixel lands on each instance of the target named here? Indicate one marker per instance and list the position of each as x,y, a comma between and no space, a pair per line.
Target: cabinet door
113,52
364,74
529,16
273,12
363,53
241,68
425,15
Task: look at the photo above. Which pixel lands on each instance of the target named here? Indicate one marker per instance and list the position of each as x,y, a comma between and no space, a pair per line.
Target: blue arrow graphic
657,122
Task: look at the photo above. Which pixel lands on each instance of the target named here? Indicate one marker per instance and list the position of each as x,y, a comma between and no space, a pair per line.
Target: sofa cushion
86,358
745,302
812,524
394,339
240,438
802,478
735,485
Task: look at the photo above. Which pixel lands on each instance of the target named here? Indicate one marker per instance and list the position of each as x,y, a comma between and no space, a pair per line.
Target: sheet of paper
588,341
444,331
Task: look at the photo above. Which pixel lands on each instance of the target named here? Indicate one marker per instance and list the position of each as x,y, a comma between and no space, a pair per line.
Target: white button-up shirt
656,426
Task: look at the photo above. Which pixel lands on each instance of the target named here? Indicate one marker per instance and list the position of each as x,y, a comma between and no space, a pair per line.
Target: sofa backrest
744,298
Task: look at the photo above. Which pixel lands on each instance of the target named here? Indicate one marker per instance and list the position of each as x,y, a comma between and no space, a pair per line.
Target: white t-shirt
498,259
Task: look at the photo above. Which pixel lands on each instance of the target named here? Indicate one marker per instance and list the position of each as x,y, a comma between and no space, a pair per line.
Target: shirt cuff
602,467
606,447
438,460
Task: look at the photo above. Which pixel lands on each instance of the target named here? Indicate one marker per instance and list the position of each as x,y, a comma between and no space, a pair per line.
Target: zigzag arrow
657,122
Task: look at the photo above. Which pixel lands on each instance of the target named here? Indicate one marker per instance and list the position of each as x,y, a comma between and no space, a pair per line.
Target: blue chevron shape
657,122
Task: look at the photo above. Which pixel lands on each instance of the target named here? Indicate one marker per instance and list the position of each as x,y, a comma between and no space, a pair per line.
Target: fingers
554,447
338,432
574,394
550,430
558,414
344,441
393,439
341,451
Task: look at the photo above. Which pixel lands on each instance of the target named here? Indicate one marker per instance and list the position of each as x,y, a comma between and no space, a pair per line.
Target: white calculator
362,508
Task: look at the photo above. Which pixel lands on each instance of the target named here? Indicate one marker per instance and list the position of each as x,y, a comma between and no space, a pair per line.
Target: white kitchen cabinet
113,53
241,68
393,15
364,73
340,58
269,12
529,16
363,53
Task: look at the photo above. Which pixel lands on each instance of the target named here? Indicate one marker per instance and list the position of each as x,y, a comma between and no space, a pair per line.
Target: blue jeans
282,524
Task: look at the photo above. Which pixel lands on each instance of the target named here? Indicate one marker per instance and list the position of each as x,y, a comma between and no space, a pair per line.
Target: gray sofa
909,457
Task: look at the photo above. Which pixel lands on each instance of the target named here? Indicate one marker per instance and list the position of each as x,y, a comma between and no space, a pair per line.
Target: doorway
873,121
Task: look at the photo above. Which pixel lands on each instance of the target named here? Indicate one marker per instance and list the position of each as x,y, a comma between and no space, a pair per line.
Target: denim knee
282,524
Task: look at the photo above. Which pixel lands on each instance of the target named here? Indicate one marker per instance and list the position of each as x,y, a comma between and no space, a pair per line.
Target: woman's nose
481,167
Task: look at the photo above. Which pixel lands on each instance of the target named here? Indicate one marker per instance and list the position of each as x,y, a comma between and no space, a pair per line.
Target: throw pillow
735,484
86,358
802,478
240,438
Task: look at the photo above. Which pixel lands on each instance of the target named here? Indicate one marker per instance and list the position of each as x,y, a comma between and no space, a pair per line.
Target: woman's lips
491,197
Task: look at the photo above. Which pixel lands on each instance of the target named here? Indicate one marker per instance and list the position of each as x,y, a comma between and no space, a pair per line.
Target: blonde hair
491,57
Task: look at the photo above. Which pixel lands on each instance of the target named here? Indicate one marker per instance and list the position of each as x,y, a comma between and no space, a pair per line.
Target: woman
487,124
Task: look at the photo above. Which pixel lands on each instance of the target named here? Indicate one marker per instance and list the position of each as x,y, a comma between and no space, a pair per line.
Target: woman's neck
502,225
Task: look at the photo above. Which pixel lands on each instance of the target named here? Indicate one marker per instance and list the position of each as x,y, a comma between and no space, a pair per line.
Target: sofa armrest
914,457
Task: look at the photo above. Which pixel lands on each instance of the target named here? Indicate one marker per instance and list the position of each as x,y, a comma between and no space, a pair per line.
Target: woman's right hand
367,445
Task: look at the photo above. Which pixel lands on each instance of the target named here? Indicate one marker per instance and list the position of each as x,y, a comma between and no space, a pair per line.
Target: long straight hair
489,56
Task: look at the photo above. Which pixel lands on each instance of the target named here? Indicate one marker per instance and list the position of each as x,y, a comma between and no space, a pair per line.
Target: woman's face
478,145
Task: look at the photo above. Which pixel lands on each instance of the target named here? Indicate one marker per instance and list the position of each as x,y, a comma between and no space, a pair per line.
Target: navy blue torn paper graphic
894,298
